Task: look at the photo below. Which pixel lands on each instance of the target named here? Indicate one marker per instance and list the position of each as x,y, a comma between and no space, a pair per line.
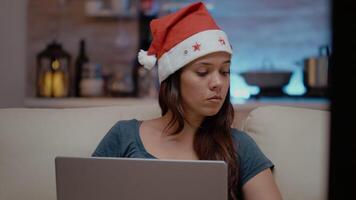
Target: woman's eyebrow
205,63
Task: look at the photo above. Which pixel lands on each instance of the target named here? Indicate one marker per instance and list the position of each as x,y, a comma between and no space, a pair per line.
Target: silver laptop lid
136,179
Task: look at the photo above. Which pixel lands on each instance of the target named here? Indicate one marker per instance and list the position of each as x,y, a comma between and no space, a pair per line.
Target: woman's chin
210,111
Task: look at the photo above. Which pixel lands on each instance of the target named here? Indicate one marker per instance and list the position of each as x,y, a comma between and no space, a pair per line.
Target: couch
295,139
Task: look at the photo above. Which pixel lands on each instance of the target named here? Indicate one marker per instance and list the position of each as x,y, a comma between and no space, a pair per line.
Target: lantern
53,71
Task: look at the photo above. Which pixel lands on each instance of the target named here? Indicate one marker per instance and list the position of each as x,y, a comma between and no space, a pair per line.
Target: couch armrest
30,139
296,140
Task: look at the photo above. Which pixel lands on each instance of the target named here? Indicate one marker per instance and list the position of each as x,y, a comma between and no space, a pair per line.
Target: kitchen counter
313,103
85,102
242,108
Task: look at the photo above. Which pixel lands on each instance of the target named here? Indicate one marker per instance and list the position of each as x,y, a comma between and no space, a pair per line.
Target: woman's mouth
215,98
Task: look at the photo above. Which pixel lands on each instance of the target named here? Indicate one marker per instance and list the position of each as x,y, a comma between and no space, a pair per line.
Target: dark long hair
213,140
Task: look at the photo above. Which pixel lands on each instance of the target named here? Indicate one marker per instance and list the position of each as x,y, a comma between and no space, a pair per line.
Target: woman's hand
261,187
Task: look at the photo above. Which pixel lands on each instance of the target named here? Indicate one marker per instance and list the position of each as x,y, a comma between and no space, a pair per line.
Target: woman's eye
202,73
227,72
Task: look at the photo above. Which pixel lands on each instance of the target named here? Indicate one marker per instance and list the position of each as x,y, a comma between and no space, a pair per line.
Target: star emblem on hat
222,41
196,46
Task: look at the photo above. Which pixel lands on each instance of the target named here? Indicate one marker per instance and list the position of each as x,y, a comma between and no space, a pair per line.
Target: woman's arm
261,187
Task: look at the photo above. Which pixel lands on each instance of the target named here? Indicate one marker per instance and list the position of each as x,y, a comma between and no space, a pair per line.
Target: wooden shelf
85,102
321,104
311,103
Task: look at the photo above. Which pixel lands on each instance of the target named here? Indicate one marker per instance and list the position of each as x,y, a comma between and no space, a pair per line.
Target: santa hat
182,37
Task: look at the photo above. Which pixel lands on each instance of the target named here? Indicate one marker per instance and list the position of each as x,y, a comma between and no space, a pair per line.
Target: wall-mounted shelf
116,9
320,104
123,9
85,102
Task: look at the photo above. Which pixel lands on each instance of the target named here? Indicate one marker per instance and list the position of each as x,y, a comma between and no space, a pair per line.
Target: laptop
98,178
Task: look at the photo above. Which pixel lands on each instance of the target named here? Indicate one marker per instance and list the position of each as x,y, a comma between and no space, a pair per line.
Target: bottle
81,61
92,83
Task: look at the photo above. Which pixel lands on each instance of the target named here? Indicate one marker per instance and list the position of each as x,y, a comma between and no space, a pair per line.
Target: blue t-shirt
123,140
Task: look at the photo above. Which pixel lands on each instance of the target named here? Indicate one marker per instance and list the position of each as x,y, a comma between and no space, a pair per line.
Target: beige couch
295,139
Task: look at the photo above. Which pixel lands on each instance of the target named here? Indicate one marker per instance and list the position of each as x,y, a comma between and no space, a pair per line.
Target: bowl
267,79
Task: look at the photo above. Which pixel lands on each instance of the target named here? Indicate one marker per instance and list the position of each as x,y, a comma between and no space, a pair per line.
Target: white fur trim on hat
184,52
148,61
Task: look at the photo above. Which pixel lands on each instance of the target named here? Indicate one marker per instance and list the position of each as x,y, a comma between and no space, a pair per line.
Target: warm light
58,84
55,64
46,85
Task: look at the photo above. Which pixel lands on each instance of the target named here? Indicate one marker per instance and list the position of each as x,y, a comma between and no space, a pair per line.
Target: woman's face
205,83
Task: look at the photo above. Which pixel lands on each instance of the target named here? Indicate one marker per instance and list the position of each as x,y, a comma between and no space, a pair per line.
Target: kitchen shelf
96,9
312,103
85,102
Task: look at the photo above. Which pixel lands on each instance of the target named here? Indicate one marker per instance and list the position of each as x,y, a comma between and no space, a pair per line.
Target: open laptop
94,178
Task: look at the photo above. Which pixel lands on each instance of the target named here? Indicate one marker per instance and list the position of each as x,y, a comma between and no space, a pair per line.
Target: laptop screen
93,178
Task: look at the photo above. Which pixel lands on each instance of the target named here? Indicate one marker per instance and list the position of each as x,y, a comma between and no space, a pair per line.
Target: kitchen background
270,35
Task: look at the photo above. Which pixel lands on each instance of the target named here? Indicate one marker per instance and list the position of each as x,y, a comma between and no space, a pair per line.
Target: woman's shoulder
244,143
251,158
124,128
126,123
116,140
241,137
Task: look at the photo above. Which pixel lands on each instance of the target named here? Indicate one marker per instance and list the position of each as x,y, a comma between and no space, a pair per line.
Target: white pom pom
147,61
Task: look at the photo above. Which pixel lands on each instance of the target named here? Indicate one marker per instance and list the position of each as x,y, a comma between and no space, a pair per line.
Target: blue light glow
239,90
296,86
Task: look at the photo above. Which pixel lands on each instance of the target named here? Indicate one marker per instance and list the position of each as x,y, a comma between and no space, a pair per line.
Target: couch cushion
30,139
296,140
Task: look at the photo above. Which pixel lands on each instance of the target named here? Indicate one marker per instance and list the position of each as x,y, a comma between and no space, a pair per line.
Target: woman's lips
215,99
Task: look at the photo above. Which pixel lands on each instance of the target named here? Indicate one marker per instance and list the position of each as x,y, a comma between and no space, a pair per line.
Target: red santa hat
182,37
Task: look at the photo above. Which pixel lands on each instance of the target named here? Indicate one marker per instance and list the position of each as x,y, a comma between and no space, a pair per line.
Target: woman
194,71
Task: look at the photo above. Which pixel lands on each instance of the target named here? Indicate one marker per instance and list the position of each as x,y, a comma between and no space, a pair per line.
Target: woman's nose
216,81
